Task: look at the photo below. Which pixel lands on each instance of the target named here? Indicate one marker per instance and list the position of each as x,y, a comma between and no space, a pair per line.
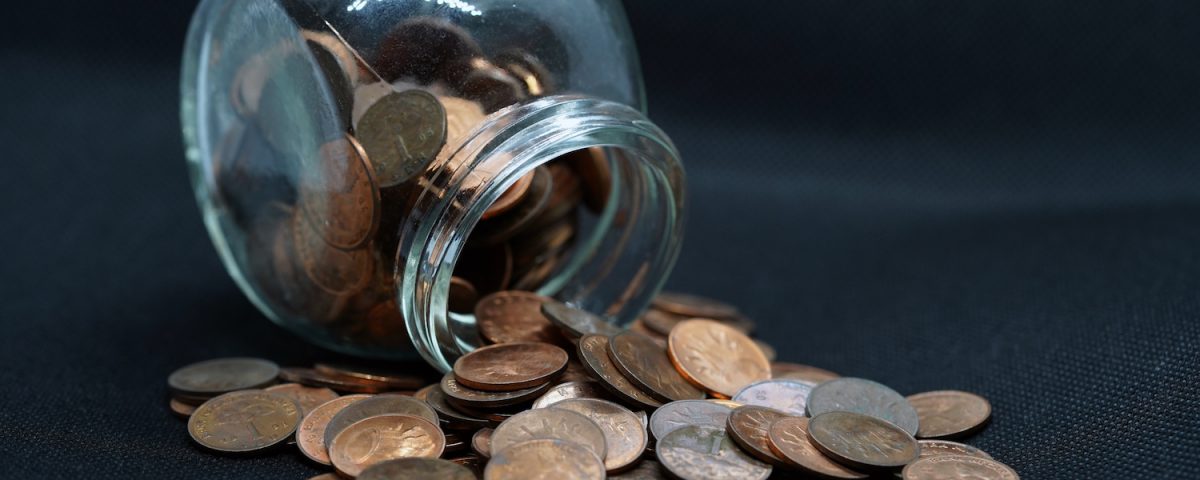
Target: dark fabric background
997,196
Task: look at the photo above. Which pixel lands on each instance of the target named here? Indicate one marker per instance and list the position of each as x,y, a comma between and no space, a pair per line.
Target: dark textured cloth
996,196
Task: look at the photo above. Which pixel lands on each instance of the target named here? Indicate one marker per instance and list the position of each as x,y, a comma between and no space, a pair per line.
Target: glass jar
368,169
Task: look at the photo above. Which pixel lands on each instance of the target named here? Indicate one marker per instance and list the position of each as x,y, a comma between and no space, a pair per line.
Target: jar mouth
613,271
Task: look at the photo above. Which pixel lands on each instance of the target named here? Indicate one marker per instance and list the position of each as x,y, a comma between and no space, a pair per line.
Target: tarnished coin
339,196
450,416
510,366
514,316
332,269
862,441
702,453
384,437
593,354
314,378
307,397
750,428
577,322
788,396
549,423
716,357
244,421
471,398
676,415
644,470
378,405
545,459
181,409
788,440
569,390
310,437
693,306
958,467
401,133
804,373
645,364
930,448
481,442
416,467
625,437
393,380
223,375
949,413
514,194
862,396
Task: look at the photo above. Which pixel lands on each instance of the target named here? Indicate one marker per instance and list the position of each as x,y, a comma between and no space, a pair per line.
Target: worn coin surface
716,357
958,467
625,437
863,396
378,405
515,316
339,196
549,423
862,441
510,366
545,459
384,437
471,398
646,364
699,452
310,436
750,426
393,380
577,322
223,375
401,133
930,448
693,306
481,442
307,397
244,421
804,373
569,390
789,396
593,353
788,440
416,467
676,415
949,413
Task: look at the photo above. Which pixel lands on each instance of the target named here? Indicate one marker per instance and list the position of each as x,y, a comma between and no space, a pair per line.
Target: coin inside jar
401,133
513,316
510,366
384,437
510,197
716,357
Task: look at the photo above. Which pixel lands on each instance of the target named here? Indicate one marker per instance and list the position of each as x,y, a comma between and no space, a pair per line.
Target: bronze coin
183,410
384,437
956,467
549,423
449,415
862,441
575,372
788,440
930,448
699,452
640,327
644,470
676,415
804,373
338,196
307,397
510,366
750,428
577,322
391,379
596,175
646,365
693,306
513,316
788,396
545,459
481,442
949,413
310,436
593,354
514,194
716,357
402,133
862,396
522,215
377,405
461,396
625,437
661,322
332,269
416,467
569,390
313,378
223,375
244,421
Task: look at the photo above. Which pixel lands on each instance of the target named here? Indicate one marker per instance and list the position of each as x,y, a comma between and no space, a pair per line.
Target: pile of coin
561,394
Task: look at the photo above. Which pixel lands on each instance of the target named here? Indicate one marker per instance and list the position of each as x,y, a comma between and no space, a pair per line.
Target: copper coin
549,423
545,459
646,365
339,196
513,316
862,396
788,440
949,413
416,467
384,437
223,375
462,296
332,269
569,390
593,354
514,194
510,366
575,372
625,437
804,373
313,378
788,396
504,227
391,379
577,322
374,406
716,357
307,397
326,476
640,327
661,322
644,470
181,409
930,448
310,436
593,167
693,306
459,395
750,428
450,416
862,441
958,467
244,421
402,133
676,415
493,415
481,442
699,452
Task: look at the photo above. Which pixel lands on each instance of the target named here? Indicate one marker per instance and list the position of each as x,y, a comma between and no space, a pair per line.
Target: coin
384,437
332,269
326,476
510,366
451,417
569,390
676,415
788,396
223,375
180,408
416,467
394,380
401,133
949,413
750,427
515,193
700,452
644,470
930,448
310,436
862,441
956,467
661,322
574,373
523,214
513,316
313,378
716,357
307,397
454,442
640,327
767,350
788,440
549,423
244,421
545,459
378,405
461,296
593,354
481,442
804,373
468,397
645,364
624,435
577,322
862,396
339,196
693,306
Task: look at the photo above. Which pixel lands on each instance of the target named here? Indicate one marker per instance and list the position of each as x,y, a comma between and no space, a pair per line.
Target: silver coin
866,397
790,396
682,413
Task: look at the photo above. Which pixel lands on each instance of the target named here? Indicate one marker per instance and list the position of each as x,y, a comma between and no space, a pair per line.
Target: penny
644,470
326,476
310,436
223,375
389,378
693,306
625,437
700,452
750,428
676,415
549,423
545,459
958,467
339,196
378,405
313,378
332,269
180,408
493,415
930,448
577,322
513,316
521,216
569,390
640,327
804,373
661,322
596,175
593,354
402,133
451,417
510,366
716,357
244,421
574,373
416,467
788,396
481,442
949,413
862,441
384,437
514,194
646,365
862,396
468,397
461,296
788,440
307,397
